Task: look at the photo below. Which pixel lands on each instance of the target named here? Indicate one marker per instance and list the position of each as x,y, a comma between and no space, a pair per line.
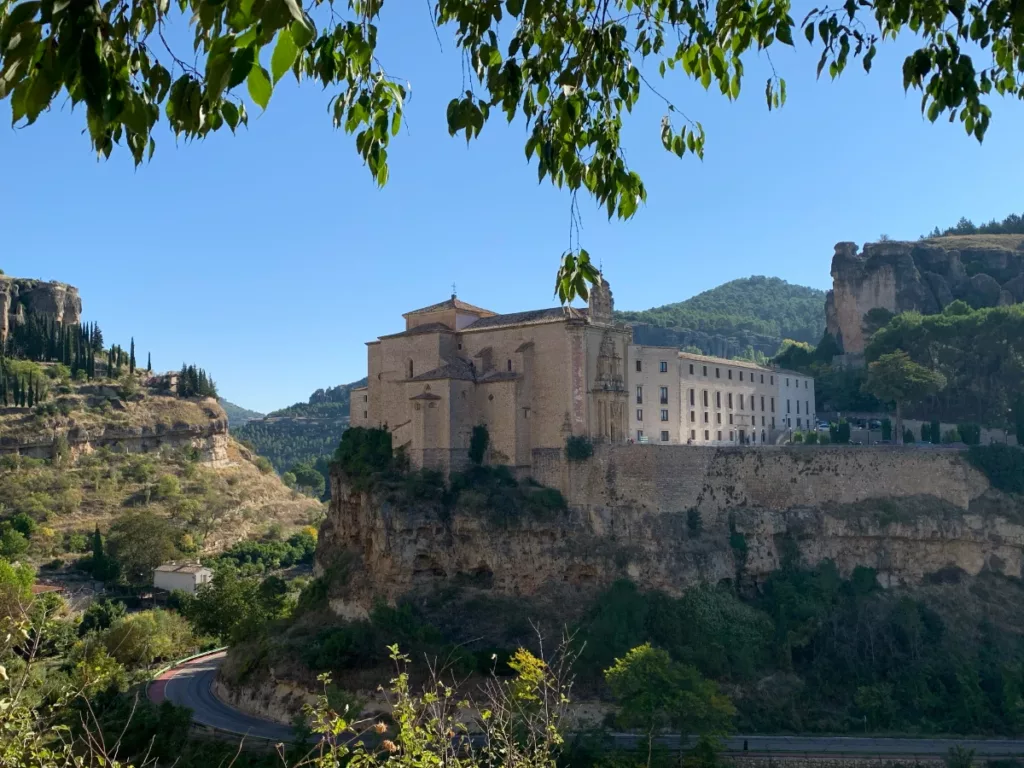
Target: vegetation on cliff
764,305
978,351
1011,225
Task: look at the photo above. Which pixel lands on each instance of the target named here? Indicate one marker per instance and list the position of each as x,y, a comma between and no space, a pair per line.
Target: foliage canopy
569,69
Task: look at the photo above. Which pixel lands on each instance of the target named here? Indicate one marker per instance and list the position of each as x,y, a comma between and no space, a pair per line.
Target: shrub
970,433
839,433
363,453
12,542
694,522
951,436
936,432
101,615
798,438
811,438
168,487
887,429
824,439
578,448
908,436
263,465
478,444
77,542
142,638
1003,465
23,524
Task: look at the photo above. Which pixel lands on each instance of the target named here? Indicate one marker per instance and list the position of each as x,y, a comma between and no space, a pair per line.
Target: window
718,373
707,435
663,393
805,383
639,367
639,435
510,365
762,403
639,395
706,419
762,378
639,414
730,399
718,399
787,381
364,414
719,435
787,406
798,406
730,418
691,397
741,375
693,416
773,406
718,418
730,435
691,369
730,374
705,370
741,402
771,380
762,424
460,345
663,366
705,398
410,369
664,414
807,406
693,434
664,436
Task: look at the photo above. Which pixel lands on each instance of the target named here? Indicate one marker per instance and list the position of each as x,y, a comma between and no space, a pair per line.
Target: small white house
187,577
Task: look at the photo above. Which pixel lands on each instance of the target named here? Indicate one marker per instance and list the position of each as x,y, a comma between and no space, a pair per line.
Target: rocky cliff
892,277
668,517
21,298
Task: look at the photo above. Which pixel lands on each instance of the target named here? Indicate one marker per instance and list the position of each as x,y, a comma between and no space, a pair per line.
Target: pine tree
149,362
131,358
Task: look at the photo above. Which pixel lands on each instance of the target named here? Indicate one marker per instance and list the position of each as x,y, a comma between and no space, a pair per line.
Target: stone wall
906,513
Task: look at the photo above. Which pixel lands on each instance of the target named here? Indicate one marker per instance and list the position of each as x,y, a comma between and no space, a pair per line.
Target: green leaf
284,54
241,65
784,34
259,86
302,34
230,113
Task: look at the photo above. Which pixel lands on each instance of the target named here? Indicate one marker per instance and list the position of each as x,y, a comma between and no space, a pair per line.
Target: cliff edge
891,277
22,298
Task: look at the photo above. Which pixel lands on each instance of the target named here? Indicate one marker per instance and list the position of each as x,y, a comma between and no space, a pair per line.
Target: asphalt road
190,685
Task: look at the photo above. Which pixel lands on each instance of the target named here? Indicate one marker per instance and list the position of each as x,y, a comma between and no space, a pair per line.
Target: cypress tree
131,359
149,362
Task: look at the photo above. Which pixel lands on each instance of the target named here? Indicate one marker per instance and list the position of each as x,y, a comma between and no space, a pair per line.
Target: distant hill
237,415
303,431
752,313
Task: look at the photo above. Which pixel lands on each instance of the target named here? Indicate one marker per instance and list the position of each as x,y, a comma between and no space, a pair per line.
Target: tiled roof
452,303
181,568
425,328
456,368
525,318
487,378
725,361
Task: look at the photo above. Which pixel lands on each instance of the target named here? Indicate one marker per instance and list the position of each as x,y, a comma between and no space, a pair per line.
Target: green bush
1003,465
364,453
798,438
263,465
908,436
887,429
811,438
139,639
839,433
478,444
578,448
970,433
951,436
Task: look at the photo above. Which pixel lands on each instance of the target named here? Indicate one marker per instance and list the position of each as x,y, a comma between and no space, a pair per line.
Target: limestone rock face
906,514
923,276
21,299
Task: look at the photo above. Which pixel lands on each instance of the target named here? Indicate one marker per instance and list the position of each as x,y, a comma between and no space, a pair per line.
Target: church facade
533,378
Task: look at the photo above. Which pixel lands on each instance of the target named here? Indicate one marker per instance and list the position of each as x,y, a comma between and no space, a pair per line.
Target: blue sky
269,258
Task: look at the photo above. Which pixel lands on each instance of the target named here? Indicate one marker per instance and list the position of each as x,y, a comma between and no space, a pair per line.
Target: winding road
191,685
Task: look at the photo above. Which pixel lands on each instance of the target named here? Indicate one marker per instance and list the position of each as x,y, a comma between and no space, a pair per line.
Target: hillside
237,415
93,452
756,312
303,432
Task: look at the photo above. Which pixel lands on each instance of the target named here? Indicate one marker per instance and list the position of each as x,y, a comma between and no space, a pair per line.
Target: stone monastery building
535,378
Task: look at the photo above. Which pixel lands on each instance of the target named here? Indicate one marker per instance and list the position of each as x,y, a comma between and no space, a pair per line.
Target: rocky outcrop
21,299
923,276
210,440
633,514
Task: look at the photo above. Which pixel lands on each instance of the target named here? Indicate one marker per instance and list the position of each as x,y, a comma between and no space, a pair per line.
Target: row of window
807,406
806,382
640,436
662,395
640,414
729,400
718,374
662,366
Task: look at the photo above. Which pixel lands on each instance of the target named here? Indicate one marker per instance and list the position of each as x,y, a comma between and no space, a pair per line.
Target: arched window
410,368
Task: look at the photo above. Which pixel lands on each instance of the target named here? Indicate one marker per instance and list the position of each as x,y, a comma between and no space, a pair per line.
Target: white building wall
654,394
187,582
796,401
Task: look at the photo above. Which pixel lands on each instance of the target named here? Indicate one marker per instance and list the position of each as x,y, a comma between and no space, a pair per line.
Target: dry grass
951,242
